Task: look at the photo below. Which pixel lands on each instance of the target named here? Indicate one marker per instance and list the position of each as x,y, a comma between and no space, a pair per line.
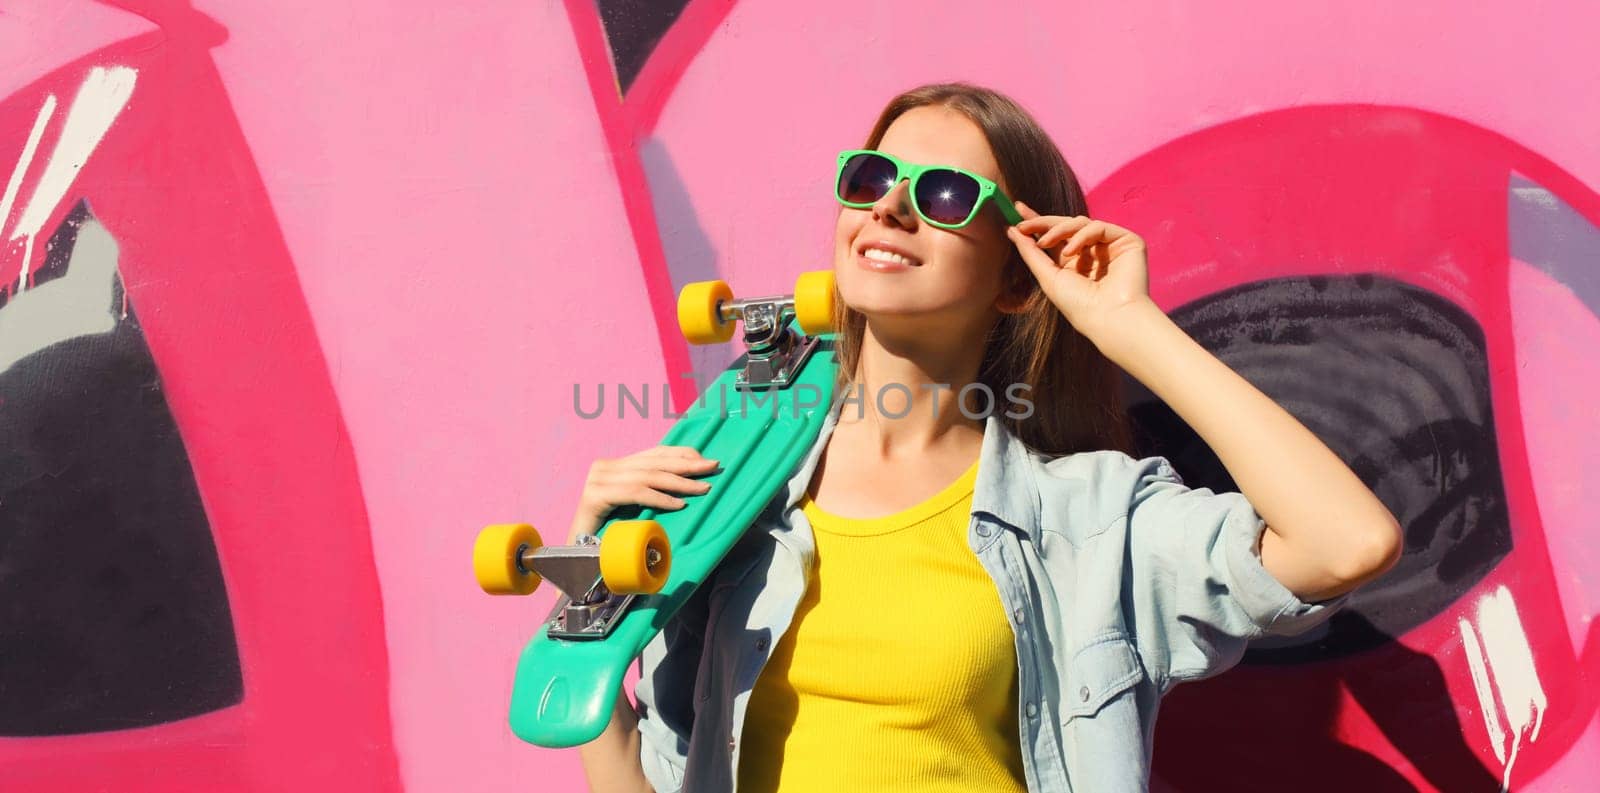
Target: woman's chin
888,312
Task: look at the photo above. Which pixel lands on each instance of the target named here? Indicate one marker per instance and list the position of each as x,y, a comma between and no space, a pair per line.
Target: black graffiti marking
1395,380
113,612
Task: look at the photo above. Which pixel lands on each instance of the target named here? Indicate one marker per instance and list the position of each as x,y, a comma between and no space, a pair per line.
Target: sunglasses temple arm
1008,209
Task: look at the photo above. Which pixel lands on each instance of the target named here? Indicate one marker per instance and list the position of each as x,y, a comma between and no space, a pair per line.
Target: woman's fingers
1076,232
666,480
1090,250
665,474
648,497
681,459
647,478
1054,236
1094,232
669,451
1042,223
653,489
1054,229
1036,259
1084,231
677,465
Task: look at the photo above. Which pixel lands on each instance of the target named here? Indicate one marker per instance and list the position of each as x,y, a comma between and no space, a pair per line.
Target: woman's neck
904,400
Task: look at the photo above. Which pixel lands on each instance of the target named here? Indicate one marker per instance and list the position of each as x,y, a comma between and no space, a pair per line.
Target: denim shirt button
761,645
1083,693
983,530
1022,616
1033,711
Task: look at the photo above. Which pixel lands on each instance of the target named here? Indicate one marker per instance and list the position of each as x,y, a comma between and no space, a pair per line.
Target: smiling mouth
887,257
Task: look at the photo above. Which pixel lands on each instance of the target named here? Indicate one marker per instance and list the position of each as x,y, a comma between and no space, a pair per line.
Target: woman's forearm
611,761
1332,533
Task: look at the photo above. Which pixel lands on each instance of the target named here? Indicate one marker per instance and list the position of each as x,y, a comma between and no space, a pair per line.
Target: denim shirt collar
1004,490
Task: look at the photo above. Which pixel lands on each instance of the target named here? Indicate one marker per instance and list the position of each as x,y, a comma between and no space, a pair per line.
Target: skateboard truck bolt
586,608
773,350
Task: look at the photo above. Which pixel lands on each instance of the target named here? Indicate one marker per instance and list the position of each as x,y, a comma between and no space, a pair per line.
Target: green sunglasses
944,196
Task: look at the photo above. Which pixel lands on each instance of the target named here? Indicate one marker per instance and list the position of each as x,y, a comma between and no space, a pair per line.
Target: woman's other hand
647,478
1090,269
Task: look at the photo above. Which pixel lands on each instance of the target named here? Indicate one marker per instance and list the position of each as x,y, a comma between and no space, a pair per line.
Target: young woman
970,585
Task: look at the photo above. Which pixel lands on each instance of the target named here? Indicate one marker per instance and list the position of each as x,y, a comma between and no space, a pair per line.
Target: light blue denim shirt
1118,581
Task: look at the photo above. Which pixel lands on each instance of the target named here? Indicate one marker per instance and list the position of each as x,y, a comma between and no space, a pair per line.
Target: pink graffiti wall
294,297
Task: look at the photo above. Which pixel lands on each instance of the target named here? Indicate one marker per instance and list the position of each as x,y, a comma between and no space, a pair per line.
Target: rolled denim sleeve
1200,590
664,696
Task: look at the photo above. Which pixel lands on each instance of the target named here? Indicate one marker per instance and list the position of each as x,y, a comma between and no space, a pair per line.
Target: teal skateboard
620,586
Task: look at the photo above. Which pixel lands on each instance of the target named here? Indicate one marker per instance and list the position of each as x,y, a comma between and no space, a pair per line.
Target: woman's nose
895,205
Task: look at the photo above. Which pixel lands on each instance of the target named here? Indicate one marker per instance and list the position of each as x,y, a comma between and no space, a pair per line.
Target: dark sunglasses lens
866,178
946,196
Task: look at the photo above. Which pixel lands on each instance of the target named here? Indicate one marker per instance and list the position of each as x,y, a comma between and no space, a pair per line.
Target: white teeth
886,256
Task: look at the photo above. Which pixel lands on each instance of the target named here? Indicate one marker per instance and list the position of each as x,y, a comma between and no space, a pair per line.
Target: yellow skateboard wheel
813,302
496,559
635,557
699,316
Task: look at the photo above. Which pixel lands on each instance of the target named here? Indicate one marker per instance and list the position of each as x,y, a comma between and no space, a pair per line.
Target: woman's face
954,274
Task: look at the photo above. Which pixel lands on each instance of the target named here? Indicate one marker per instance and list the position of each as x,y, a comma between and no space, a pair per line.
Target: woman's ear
1015,291
1011,303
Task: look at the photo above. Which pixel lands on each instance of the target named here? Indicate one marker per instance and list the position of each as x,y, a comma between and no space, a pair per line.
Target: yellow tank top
899,672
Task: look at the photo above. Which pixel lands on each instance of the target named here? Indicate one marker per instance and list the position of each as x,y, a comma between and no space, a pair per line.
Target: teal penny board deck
566,689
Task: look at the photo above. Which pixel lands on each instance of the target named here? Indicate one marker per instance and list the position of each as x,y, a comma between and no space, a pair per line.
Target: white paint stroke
27,257
98,103
1511,657
1505,658
46,110
1485,689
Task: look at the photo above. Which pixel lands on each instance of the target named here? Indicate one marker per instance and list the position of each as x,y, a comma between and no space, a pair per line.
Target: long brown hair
1076,391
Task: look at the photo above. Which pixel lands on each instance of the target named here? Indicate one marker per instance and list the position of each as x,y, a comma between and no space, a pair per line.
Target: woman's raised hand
645,478
1096,269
